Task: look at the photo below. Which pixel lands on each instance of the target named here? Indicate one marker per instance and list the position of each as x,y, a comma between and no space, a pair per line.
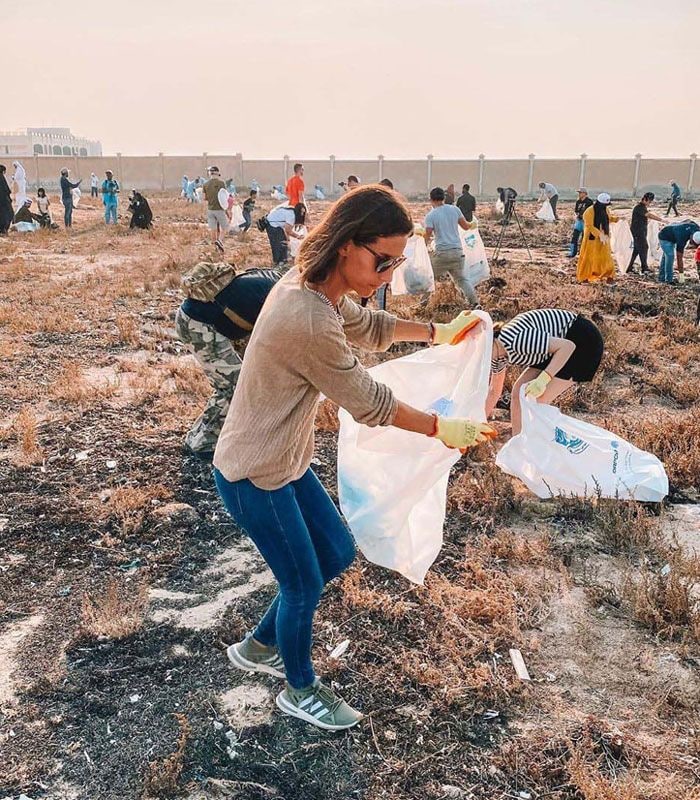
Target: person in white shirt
281,222
548,191
94,184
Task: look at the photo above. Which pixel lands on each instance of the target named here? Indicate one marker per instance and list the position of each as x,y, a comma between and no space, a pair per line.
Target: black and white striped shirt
526,337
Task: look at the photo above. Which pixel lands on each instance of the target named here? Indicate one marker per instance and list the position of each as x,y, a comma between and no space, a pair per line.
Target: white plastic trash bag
545,212
621,244
476,265
237,218
415,275
222,196
653,228
294,243
500,207
392,484
559,455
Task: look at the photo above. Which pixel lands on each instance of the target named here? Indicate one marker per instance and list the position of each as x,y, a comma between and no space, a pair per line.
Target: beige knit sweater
299,349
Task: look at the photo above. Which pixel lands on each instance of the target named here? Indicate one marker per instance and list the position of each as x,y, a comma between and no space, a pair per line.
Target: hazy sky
359,77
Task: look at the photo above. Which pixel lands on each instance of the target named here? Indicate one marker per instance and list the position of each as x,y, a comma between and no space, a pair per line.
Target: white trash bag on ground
559,455
476,265
621,244
392,484
545,212
415,275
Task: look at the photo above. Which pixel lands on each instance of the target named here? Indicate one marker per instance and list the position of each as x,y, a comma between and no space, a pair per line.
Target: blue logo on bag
616,455
470,241
573,444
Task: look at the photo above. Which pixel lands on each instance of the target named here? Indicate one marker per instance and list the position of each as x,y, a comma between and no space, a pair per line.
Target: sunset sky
359,77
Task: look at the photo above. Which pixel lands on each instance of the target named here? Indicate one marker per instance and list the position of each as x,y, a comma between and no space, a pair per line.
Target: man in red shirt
295,186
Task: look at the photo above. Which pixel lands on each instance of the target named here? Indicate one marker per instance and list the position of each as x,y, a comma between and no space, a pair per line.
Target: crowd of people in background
285,224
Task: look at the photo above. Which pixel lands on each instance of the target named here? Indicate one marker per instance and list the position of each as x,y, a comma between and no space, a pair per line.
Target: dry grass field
122,579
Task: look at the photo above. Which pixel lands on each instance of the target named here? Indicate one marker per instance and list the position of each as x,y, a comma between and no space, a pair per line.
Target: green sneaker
319,705
251,656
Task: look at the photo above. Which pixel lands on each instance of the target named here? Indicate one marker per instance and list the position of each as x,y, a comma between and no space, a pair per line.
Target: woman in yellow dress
596,261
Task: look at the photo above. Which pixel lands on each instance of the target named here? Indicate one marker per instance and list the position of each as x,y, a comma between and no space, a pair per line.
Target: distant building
47,141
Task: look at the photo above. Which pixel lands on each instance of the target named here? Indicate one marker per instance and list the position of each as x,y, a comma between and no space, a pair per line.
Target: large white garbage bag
545,212
559,455
237,218
621,244
392,484
653,228
476,265
415,275
294,243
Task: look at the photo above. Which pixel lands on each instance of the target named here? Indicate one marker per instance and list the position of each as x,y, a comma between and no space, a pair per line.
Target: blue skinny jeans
668,257
305,542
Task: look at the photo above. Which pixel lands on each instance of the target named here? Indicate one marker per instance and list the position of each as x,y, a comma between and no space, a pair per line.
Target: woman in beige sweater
299,349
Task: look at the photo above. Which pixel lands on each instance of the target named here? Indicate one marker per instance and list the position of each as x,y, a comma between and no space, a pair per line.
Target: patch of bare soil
122,579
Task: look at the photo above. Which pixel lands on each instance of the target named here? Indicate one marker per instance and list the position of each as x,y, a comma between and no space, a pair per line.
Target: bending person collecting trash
559,348
299,349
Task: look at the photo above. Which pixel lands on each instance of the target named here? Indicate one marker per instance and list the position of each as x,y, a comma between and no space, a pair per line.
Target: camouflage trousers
222,365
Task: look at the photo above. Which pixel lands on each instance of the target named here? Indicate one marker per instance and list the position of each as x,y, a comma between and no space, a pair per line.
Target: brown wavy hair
361,216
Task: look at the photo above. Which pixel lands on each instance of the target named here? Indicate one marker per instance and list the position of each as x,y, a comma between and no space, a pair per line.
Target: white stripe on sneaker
306,701
315,706
321,711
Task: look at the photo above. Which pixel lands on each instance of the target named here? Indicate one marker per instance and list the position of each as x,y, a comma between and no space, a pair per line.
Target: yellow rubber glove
455,331
461,433
536,388
681,277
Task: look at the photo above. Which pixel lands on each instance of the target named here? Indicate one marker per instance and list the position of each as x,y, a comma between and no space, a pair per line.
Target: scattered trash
134,698
524,795
82,456
518,662
64,591
338,650
111,465
131,565
390,736
218,726
491,713
665,570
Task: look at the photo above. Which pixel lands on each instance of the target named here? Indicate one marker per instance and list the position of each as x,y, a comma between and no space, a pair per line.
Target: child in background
248,207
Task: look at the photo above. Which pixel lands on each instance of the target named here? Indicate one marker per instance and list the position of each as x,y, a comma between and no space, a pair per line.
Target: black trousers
672,204
553,200
641,249
278,244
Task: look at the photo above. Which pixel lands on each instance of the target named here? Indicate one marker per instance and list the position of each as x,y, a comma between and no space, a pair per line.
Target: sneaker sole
250,666
287,708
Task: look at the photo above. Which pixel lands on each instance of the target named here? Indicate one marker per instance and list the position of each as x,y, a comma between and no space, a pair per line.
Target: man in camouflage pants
210,329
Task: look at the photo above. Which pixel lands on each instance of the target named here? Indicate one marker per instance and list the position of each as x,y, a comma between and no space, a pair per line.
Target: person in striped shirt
557,348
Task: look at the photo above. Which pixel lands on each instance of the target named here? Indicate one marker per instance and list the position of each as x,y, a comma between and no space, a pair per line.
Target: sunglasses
384,262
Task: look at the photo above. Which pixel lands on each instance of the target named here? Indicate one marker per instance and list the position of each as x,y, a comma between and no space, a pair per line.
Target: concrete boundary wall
621,177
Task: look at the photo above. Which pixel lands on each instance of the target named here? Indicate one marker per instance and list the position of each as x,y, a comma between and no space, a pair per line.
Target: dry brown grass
665,601
71,386
163,775
129,505
116,612
25,428
128,330
593,760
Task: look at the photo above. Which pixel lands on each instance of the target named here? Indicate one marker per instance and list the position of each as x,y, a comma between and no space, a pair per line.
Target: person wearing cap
638,228
673,239
67,197
673,200
596,261
94,185
352,183
216,214
583,202
550,192
110,197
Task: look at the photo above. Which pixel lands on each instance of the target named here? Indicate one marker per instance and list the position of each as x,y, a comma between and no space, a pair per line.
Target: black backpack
262,223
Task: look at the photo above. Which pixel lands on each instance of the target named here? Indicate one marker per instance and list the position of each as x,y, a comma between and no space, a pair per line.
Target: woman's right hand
460,433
